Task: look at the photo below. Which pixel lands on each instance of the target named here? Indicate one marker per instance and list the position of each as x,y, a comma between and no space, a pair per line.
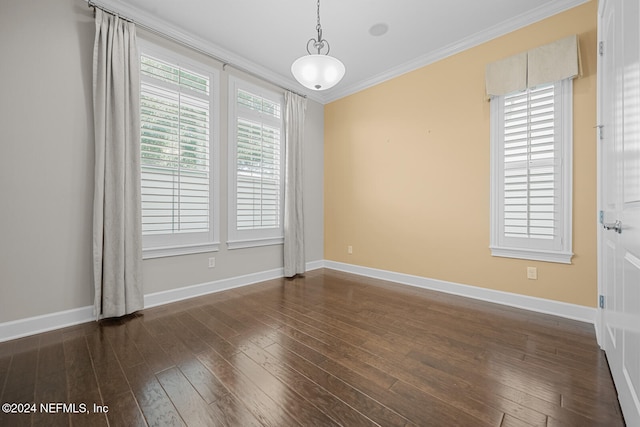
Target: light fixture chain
318,71
318,44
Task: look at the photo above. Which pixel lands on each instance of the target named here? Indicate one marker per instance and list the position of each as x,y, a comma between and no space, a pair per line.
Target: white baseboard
315,265
44,323
173,295
48,322
179,294
540,305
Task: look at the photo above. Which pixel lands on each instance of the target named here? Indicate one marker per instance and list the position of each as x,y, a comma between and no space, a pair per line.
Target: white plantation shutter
530,164
256,166
531,173
176,151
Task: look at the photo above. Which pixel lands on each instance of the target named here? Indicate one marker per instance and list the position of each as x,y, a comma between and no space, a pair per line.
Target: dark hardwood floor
327,349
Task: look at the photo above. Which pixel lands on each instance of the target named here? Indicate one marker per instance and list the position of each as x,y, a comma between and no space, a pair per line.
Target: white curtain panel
117,238
294,257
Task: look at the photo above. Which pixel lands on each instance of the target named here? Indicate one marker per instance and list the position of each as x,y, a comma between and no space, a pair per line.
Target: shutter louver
175,140
531,164
258,163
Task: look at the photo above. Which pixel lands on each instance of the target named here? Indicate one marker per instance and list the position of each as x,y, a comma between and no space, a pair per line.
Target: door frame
599,324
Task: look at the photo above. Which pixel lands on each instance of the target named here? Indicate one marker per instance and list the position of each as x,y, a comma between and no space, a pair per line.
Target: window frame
237,239
560,249
174,244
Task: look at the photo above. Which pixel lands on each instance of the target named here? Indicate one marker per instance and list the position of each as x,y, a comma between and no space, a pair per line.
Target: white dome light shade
318,72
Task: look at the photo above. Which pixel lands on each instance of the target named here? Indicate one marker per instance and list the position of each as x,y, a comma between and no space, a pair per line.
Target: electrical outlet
349,249
532,273
212,262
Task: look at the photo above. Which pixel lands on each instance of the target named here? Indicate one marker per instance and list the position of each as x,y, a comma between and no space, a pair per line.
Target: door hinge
601,48
601,217
601,301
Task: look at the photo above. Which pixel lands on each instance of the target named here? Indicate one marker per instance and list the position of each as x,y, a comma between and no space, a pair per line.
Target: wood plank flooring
324,350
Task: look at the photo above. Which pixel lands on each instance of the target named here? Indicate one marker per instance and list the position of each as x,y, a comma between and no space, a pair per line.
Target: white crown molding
539,305
153,23
506,27
160,26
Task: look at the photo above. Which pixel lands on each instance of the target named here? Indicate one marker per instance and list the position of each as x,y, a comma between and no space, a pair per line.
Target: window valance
548,63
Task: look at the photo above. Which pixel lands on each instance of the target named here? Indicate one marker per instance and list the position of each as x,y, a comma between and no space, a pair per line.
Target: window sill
168,251
252,243
532,254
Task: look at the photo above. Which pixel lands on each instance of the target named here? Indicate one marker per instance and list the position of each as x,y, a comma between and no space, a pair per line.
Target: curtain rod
197,49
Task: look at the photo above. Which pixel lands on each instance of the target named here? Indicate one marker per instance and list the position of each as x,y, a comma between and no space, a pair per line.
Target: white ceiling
266,36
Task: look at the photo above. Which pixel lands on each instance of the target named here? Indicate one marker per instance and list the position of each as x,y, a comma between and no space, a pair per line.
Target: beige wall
46,170
407,172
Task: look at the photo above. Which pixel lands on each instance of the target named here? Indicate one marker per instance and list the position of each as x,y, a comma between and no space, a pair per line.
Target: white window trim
253,243
564,254
240,239
166,245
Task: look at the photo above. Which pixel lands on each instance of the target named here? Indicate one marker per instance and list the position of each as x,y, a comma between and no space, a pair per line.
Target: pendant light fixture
318,71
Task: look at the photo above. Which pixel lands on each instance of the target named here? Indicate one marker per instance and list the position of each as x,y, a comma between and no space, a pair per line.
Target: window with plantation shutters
256,171
176,100
531,139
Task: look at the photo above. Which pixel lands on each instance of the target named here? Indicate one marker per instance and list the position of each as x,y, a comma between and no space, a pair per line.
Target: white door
619,197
